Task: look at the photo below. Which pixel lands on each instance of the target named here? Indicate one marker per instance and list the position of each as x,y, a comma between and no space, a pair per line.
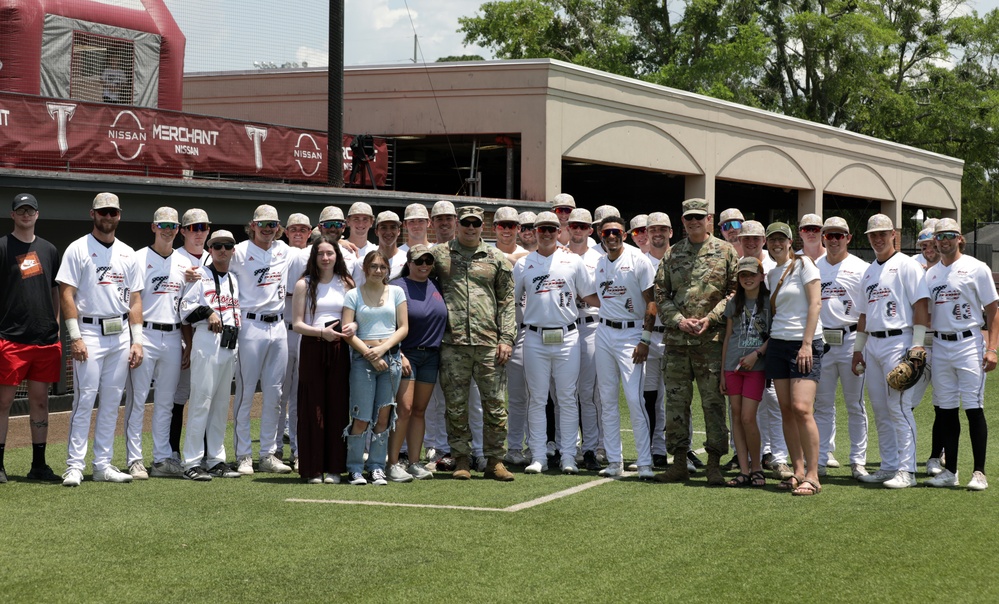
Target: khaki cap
471,212
752,228
266,212
810,220
564,200
605,211
506,214
835,223
106,200
527,218
748,264
387,216
331,213
658,219
696,205
359,207
581,215
298,219
642,220
879,222
415,211
443,208
221,235
547,219
195,216
731,214
166,214
946,225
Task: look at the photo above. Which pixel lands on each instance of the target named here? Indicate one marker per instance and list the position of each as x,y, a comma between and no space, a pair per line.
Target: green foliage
458,58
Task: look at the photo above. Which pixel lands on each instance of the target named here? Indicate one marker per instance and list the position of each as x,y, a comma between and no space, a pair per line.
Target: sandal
807,488
790,484
758,478
742,480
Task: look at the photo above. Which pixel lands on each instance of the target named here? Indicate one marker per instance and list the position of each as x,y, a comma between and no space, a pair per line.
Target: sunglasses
547,229
695,217
731,224
946,236
638,231
267,224
507,225
611,233
471,223
222,246
562,210
834,236
26,211
579,226
112,212
332,224
197,228
167,226
424,261
810,229
526,228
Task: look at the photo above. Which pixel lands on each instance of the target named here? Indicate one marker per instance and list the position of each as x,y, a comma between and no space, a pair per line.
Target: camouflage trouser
459,365
683,365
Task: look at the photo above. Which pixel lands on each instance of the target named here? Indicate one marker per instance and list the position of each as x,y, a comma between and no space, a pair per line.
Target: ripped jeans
371,390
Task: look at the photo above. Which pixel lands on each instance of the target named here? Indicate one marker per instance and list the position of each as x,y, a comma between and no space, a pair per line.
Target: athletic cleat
579,455
515,457
138,470
645,473
270,463
832,462
431,454
943,479
244,465
601,455
166,469
536,467
332,479
615,468
197,473
660,461
419,471
858,470
356,478
632,467
569,467
933,466
767,460
691,468
902,480
397,473
72,478
378,477
550,449
978,482
221,470
111,474
694,459
879,476
43,473
590,462
732,465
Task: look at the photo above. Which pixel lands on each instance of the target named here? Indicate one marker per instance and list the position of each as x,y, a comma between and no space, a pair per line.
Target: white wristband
73,328
136,329
860,342
646,336
918,336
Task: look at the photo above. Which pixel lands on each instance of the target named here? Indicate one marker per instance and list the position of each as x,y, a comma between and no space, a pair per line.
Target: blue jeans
371,390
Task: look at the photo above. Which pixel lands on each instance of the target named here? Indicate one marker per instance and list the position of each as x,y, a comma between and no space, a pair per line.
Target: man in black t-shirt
29,328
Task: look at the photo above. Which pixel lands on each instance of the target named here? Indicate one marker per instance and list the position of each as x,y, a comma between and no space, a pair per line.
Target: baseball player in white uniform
895,318
162,273
417,221
624,281
388,227
962,290
360,218
260,266
842,301
100,292
211,306
552,279
659,230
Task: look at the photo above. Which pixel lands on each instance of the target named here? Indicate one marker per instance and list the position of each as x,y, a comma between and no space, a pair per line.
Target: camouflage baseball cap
415,211
731,214
659,219
265,212
471,212
642,220
752,228
506,214
106,200
930,223
387,216
781,228
564,200
360,208
947,225
331,213
696,205
195,216
527,218
418,250
165,214
220,236
879,222
581,215
605,211
442,208
748,264
924,235
835,223
547,219
810,220
298,219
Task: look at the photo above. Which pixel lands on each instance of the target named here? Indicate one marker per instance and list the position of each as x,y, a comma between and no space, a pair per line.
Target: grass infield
172,540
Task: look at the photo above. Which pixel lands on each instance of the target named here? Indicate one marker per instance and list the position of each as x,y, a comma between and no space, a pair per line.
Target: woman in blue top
420,360
379,309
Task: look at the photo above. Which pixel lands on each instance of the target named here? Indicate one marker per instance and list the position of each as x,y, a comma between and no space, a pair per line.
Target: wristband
136,329
646,342
860,342
992,350
918,336
73,328
646,336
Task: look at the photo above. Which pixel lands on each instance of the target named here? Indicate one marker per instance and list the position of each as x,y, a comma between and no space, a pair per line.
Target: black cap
24,199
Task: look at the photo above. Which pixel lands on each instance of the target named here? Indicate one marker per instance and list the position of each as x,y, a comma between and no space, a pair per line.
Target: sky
229,35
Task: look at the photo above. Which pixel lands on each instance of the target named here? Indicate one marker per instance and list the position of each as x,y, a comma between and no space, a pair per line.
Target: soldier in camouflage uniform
693,283
477,281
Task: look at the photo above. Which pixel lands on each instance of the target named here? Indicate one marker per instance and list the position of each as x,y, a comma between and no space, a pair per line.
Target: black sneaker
660,461
694,459
590,462
43,473
3,475
222,470
446,463
196,473
767,460
732,465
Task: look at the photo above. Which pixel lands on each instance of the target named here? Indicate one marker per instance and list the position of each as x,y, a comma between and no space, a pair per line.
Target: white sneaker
535,467
902,480
613,469
978,482
294,463
138,470
315,480
397,473
933,466
244,465
570,467
879,476
514,457
270,463
432,454
111,474
167,469
946,478
832,462
858,470
332,479
419,471
72,478
645,473
632,467
378,478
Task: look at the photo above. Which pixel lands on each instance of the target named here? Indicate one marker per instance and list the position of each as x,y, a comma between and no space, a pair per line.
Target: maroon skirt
323,406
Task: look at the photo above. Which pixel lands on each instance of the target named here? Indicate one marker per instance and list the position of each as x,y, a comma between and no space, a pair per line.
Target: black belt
428,348
619,324
264,318
585,320
289,326
97,320
887,334
659,329
953,337
569,327
851,328
161,326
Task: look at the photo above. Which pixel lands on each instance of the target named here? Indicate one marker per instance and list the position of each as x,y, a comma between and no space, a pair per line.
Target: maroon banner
38,132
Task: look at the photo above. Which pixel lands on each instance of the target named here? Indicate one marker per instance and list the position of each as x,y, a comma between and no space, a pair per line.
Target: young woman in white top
794,353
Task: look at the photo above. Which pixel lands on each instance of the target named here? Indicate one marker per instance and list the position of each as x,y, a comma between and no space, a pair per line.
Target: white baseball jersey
959,293
590,260
396,263
552,285
620,284
363,251
262,275
842,295
164,284
890,290
104,277
221,300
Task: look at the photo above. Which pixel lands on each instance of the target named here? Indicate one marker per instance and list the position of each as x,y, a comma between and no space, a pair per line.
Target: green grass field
171,540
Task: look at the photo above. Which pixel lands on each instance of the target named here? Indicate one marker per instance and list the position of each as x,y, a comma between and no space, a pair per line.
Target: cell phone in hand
335,324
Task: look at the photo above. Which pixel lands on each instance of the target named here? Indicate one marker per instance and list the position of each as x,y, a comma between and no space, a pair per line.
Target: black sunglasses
468,222
197,228
332,224
693,217
267,224
833,236
112,212
579,226
220,246
547,228
507,225
426,260
526,227
946,236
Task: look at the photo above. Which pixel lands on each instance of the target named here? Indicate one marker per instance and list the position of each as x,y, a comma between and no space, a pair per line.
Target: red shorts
749,384
29,361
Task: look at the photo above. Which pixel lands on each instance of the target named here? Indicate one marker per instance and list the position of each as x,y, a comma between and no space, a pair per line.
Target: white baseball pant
614,367
561,363
161,352
263,355
591,427
208,410
288,414
958,378
516,390
892,415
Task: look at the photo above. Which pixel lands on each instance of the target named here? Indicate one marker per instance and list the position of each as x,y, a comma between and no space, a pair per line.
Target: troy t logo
257,135
61,113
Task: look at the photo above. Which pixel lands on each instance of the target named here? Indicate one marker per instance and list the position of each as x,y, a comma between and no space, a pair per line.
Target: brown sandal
790,484
807,488
742,480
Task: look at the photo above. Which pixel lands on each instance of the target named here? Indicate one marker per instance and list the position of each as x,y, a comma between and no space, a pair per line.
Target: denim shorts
371,390
423,364
782,360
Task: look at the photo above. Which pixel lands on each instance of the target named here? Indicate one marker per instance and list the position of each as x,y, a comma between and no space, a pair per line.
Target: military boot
461,471
496,470
714,472
677,472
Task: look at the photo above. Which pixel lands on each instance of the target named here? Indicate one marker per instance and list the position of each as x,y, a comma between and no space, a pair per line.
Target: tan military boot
677,472
496,470
714,472
461,471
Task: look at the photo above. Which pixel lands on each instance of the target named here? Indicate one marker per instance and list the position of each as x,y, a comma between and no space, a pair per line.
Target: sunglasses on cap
547,229
167,226
946,236
507,225
470,222
562,210
579,226
112,212
835,236
332,224
810,229
267,224
611,233
197,228
424,260
222,246
526,227
638,231
728,225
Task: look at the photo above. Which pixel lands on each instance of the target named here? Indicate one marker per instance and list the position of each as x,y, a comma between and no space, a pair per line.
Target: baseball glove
907,373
